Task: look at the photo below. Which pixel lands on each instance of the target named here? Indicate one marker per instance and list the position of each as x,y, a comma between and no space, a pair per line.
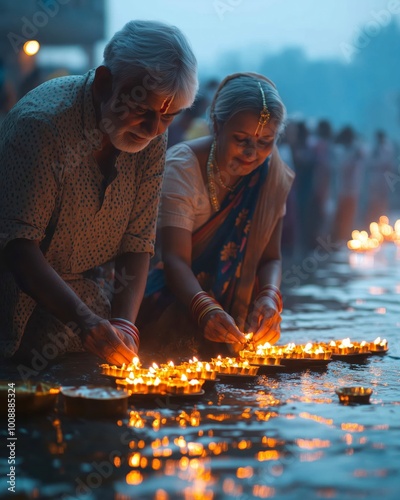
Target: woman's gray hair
241,92
156,50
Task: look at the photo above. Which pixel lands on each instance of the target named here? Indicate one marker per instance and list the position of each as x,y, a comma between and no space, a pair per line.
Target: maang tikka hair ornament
264,113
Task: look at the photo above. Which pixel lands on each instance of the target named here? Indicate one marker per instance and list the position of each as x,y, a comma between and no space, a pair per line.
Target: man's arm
131,271
35,276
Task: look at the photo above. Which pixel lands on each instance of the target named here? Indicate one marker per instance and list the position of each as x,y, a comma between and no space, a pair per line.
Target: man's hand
108,343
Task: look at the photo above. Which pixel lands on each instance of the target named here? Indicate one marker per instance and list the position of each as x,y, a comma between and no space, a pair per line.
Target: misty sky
321,27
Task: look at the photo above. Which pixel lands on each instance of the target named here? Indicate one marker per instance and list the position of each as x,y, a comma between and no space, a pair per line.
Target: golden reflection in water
316,418
262,491
310,444
134,460
263,456
352,427
311,389
348,439
265,415
218,448
195,449
230,488
243,444
271,442
266,400
135,420
134,477
220,418
308,399
244,472
197,494
311,457
59,446
195,418
156,464
246,413
161,495
166,452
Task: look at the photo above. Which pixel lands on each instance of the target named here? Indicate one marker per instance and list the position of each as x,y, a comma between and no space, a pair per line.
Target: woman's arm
37,278
177,257
265,316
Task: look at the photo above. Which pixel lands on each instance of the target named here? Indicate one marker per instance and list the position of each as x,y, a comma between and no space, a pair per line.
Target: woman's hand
265,321
218,326
109,343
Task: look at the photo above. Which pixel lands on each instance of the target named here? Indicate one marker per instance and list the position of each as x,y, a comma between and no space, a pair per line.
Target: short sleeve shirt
52,190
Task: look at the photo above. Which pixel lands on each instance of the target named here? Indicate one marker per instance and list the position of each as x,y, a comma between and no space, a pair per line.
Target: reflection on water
283,436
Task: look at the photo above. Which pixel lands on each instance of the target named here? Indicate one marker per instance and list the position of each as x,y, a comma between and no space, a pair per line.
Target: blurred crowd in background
343,180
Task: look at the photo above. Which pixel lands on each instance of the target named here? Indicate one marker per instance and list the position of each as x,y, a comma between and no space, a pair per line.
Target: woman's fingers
268,333
220,327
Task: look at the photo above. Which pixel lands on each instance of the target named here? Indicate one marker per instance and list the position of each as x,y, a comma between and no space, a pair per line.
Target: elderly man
82,160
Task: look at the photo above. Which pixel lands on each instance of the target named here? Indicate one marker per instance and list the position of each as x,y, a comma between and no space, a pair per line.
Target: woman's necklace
211,162
219,178
212,190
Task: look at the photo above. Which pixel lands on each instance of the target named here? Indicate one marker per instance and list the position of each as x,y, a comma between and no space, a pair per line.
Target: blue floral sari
223,240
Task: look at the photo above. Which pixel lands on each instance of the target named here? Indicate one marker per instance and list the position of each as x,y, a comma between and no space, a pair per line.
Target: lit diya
362,242
143,384
378,345
288,351
184,386
347,347
354,395
233,366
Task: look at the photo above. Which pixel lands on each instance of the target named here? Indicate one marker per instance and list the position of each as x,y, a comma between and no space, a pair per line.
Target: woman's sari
227,249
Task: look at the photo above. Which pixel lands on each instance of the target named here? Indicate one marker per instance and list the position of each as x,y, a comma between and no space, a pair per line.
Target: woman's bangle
201,304
274,293
127,327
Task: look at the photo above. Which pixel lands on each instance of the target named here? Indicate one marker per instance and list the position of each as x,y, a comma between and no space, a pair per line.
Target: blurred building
77,24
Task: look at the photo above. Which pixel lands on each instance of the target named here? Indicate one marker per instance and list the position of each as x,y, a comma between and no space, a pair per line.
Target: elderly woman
220,223
82,161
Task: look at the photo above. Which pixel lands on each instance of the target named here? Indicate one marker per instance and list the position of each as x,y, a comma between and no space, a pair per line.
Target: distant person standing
380,163
304,165
350,162
323,178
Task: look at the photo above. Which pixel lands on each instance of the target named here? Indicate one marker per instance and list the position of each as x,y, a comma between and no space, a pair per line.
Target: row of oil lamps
189,377
380,232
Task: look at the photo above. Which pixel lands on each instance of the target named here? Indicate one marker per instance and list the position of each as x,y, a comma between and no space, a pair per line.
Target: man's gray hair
154,50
